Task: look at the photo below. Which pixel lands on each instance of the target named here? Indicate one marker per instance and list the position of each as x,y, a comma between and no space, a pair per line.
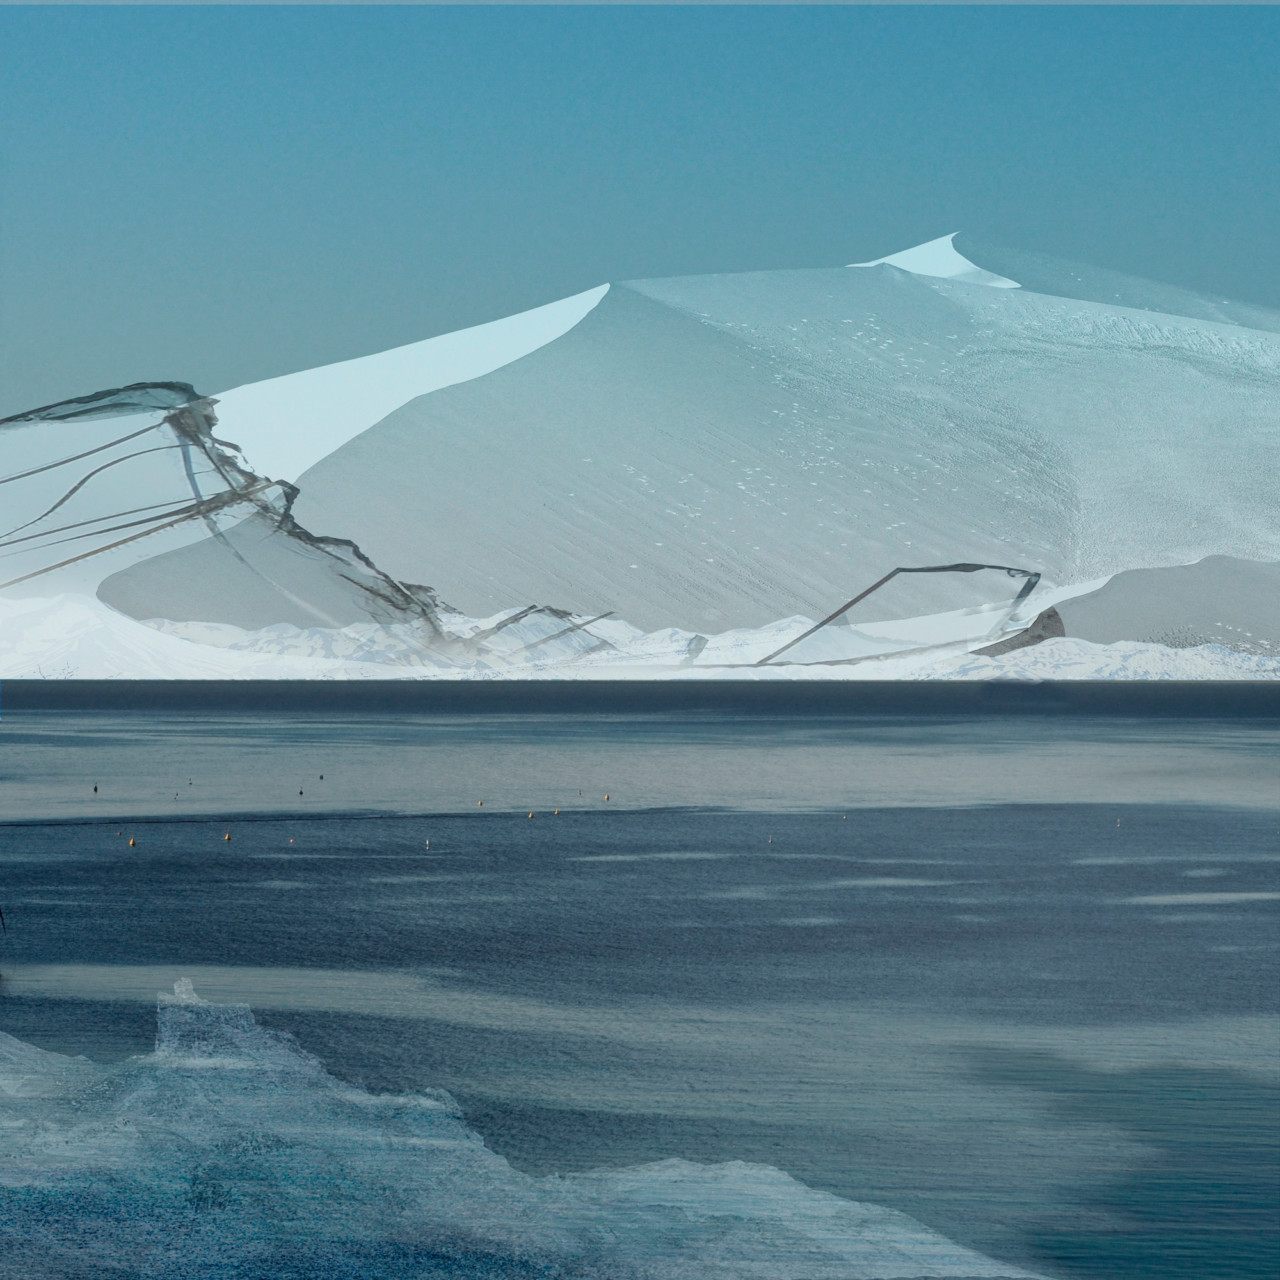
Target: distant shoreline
1229,699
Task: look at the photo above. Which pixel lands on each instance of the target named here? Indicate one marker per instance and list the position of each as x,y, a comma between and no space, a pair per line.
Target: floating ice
229,1152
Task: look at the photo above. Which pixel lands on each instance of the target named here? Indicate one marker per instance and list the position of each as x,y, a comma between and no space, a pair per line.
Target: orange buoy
132,842
227,836
479,804
557,811
531,815
606,795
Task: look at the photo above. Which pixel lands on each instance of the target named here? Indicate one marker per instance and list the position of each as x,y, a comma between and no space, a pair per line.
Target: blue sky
223,194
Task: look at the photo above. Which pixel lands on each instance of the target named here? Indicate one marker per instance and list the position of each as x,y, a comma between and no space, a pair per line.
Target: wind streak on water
174,765
229,1149
1011,1022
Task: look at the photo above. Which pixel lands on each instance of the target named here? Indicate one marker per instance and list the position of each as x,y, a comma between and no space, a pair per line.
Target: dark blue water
1019,981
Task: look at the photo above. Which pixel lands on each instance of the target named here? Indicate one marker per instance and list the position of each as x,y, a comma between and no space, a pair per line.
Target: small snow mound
1069,658
939,258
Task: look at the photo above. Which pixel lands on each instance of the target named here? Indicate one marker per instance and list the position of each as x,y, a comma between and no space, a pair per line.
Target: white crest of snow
285,425
941,259
1067,658
78,637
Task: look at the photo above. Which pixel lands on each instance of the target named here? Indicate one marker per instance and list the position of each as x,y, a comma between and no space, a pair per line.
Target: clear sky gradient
223,194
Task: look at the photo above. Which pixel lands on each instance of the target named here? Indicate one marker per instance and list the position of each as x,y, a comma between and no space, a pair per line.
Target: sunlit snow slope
722,451
729,457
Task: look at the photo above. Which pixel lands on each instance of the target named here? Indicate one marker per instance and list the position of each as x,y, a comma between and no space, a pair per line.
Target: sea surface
1015,977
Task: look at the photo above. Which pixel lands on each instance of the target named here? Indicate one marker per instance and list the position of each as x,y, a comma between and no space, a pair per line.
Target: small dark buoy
322,777
95,788
299,790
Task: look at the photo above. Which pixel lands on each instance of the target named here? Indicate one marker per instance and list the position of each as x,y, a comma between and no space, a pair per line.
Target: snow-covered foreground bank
79,638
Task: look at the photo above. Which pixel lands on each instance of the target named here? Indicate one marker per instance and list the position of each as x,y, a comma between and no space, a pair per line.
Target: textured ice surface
716,452
230,1152
77,637
695,461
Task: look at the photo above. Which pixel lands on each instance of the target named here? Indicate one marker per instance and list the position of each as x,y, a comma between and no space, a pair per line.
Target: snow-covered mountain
714,463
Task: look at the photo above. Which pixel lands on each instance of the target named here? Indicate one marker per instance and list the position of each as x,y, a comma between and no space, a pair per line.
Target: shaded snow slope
1040,273
1235,603
286,424
719,451
253,576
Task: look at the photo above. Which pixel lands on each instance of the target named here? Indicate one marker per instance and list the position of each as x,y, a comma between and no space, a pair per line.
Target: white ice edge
940,258
285,425
78,637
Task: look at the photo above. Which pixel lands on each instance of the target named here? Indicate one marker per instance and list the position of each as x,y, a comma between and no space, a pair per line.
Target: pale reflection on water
172,764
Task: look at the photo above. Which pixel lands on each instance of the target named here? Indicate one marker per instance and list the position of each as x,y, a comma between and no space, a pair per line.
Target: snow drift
696,458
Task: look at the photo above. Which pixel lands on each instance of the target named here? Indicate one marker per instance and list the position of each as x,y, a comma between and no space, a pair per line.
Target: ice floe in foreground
231,1152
